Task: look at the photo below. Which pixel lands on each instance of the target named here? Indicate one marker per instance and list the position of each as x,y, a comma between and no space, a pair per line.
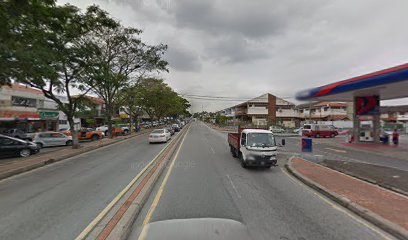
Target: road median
116,220
21,165
382,207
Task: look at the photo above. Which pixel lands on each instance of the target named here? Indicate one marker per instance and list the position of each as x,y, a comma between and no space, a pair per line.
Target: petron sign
368,105
44,115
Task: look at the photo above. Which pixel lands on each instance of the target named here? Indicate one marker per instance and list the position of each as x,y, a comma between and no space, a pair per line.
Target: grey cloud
182,59
285,45
234,49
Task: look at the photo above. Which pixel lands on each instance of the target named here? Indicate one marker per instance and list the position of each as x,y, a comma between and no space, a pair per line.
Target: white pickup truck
254,147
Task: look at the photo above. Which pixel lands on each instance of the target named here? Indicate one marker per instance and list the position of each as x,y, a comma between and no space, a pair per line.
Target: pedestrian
395,136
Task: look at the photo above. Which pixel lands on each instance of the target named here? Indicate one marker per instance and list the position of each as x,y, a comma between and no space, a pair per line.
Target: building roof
94,100
320,104
400,108
331,104
389,83
264,99
22,88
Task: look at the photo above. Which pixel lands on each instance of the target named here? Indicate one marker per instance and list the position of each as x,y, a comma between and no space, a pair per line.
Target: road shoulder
373,203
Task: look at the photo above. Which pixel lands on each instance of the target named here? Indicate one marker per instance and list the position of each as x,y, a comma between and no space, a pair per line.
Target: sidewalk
10,167
382,207
387,177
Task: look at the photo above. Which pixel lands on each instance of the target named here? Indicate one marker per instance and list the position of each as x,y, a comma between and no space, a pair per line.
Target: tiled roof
22,88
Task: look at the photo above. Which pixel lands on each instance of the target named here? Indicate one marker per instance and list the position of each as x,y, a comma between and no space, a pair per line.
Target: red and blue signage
369,105
386,76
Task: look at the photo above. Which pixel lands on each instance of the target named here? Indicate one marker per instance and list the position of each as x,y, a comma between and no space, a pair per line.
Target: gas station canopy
389,83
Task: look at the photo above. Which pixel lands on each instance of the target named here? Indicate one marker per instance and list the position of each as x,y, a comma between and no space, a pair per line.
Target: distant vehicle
125,128
176,127
171,130
17,133
87,134
10,146
319,130
115,130
159,135
275,129
254,147
298,131
50,139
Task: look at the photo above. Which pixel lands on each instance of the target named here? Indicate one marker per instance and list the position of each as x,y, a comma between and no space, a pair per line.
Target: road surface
324,150
207,182
60,200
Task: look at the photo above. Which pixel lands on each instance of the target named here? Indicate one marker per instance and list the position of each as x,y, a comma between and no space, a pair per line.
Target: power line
222,98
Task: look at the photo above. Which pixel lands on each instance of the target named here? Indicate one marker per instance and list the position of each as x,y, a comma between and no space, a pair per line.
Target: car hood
196,228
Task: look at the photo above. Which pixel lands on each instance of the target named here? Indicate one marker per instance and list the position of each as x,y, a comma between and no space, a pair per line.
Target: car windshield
158,131
260,140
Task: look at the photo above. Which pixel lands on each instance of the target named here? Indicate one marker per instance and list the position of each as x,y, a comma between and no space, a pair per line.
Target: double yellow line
159,193
105,211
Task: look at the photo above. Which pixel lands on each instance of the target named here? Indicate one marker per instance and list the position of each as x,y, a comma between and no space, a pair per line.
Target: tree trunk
130,122
74,132
109,119
110,130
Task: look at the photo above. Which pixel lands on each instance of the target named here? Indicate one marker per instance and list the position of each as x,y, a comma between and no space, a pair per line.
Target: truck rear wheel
234,154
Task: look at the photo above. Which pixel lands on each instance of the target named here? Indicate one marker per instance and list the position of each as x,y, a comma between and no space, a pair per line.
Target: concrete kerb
48,161
377,220
124,227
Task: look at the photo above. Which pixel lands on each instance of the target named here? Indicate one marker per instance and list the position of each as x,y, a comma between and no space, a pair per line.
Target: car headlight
273,158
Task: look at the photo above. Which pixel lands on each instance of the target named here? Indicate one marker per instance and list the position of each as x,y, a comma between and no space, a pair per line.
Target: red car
319,130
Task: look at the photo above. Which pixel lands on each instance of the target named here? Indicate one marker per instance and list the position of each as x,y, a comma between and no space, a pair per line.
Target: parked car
176,127
125,128
319,130
87,134
298,131
50,139
275,129
115,130
171,130
10,146
15,132
159,135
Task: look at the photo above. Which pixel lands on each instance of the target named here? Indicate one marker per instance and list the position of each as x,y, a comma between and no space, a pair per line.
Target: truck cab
254,147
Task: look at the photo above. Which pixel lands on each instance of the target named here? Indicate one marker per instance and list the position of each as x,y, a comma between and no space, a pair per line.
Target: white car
159,135
50,139
276,129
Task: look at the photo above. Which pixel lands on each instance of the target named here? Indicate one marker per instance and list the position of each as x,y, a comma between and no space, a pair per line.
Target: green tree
121,60
44,46
130,104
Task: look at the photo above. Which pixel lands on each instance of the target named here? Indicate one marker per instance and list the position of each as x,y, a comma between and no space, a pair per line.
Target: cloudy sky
242,48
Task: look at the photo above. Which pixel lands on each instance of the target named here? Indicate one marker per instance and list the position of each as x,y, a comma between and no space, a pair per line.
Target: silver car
50,139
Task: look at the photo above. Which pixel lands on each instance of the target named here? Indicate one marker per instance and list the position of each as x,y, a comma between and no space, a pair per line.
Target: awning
389,83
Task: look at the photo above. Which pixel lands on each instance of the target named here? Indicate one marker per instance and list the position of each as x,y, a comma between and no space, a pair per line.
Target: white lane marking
212,149
233,186
336,150
105,211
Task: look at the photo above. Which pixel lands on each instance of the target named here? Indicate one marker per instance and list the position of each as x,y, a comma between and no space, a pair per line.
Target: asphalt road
322,150
60,200
207,182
